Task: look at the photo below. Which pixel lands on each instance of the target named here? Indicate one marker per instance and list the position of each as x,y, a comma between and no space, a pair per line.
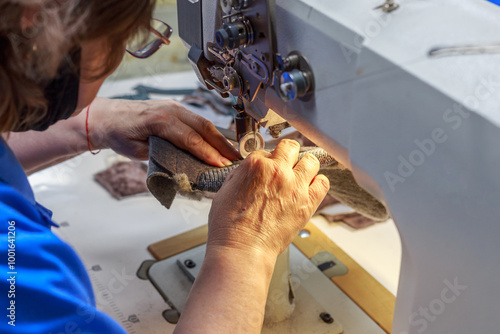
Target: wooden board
180,243
371,296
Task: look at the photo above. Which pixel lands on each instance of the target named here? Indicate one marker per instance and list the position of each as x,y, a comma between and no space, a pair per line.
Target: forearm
36,149
229,294
124,126
63,140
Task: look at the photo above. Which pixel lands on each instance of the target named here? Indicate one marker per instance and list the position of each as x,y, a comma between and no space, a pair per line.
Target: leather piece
123,179
167,161
346,190
172,170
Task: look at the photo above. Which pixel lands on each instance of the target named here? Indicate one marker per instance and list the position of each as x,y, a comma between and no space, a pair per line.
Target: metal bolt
232,81
190,264
326,317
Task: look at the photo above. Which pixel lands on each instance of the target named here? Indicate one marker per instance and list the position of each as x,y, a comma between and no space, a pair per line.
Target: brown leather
172,170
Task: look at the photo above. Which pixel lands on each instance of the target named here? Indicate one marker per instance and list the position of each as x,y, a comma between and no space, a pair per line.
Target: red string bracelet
87,129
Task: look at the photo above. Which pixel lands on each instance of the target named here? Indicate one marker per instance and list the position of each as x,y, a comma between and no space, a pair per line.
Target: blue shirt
44,287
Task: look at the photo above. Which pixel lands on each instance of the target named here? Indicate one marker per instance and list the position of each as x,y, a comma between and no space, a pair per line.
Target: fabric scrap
353,219
123,179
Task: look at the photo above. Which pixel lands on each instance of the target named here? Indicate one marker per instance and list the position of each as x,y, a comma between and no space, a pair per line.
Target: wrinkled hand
125,126
267,200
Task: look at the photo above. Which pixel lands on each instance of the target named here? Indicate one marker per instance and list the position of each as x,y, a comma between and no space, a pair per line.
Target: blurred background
169,59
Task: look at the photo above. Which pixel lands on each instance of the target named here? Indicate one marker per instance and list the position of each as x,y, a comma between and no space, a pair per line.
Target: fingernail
226,162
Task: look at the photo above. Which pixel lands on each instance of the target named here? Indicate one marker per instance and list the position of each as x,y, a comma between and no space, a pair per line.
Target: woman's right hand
261,207
266,201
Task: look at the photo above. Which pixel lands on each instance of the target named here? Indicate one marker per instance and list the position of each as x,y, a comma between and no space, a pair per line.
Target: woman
54,56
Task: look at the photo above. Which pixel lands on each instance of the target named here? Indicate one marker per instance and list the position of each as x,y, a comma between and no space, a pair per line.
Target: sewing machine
406,94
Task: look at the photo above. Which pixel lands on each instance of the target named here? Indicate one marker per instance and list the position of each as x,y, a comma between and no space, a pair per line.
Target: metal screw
388,6
133,319
190,264
96,268
304,234
326,317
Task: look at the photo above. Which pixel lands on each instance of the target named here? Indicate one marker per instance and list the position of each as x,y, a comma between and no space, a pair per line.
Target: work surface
112,236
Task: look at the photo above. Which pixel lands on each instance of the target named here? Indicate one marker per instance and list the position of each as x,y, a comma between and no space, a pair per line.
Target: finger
185,137
209,133
307,168
318,190
256,160
260,153
287,152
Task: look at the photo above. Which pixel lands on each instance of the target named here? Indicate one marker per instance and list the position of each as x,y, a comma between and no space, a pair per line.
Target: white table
112,236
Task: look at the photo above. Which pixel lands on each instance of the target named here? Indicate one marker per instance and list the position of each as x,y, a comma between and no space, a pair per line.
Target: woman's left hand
125,126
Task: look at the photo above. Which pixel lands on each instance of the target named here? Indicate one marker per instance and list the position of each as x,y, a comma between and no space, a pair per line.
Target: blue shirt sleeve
44,286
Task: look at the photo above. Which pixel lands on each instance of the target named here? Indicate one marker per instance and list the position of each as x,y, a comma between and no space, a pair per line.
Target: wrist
239,235
248,259
90,126
229,293
94,126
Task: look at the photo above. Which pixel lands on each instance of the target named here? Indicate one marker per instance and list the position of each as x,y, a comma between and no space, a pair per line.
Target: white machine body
420,130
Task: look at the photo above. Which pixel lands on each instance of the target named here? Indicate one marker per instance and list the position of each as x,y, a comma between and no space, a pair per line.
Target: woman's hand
261,207
267,200
125,126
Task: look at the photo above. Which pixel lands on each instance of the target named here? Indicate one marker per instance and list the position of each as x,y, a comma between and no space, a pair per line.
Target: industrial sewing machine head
235,53
386,90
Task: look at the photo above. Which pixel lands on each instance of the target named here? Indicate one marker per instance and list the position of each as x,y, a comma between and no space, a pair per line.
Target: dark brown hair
30,57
